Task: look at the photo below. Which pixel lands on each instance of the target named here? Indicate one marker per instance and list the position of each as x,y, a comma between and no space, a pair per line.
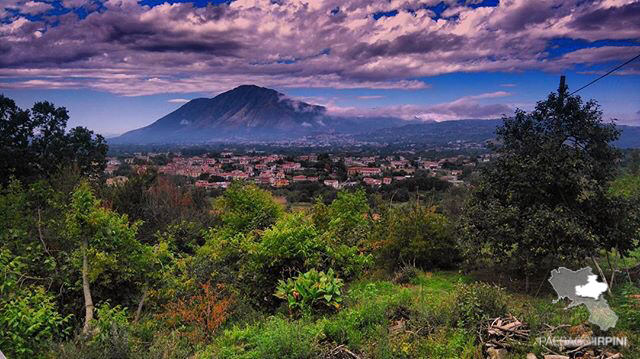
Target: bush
310,291
29,322
474,304
406,275
275,338
253,263
416,235
200,315
109,320
110,338
247,207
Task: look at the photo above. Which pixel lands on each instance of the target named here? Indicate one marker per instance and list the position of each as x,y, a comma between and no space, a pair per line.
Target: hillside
248,112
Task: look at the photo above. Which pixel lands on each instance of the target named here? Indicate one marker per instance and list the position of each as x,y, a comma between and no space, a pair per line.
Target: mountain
435,133
250,112
247,112
477,131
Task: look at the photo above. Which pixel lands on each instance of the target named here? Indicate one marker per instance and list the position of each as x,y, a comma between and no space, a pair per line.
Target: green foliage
247,207
111,322
183,237
35,144
29,322
406,274
291,243
416,235
311,291
474,304
627,186
30,318
545,196
347,217
114,251
275,338
254,262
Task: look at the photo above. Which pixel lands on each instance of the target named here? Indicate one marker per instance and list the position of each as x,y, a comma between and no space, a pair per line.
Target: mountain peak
253,90
245,110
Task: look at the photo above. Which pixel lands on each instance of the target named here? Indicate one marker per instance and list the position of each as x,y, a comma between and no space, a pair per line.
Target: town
218,170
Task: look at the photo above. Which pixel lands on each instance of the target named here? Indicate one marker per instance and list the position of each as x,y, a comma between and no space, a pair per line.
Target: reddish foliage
202,314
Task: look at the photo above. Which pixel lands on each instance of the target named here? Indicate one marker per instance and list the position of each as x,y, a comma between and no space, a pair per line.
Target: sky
117,65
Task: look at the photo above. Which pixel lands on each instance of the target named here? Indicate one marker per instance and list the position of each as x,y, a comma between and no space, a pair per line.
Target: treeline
155,268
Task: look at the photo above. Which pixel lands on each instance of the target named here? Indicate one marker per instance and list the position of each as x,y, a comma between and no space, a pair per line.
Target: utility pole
562,88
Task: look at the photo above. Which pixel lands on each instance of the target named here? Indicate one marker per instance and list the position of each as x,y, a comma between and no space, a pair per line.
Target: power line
608,73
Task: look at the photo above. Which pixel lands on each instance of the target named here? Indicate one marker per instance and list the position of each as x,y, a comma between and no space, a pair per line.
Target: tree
634,162
244,208
546,194
415,234
348,218
105,242
34,144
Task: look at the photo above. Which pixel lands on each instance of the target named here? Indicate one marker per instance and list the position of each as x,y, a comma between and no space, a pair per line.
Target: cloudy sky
120,64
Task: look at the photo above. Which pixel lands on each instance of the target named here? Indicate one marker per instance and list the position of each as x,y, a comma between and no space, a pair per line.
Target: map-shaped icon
582,287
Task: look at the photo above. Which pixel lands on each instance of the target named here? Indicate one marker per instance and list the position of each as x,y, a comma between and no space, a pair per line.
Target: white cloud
466,107
178,100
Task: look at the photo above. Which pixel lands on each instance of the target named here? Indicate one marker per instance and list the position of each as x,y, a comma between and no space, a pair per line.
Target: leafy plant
415,234
29,322
312,290
406,275
201,315
474,304
247,207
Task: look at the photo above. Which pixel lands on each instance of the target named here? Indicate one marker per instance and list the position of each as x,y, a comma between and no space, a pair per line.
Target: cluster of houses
280,171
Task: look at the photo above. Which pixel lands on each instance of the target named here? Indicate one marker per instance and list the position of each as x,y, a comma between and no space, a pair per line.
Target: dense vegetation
152,268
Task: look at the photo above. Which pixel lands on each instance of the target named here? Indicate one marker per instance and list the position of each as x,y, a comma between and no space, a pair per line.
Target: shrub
200,315
275,338
417,235
312,290
345,219
405,275
474,304
110,338
109,319
253,263
29,322
247,207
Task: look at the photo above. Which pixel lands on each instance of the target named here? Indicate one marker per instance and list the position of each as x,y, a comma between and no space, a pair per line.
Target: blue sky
121,64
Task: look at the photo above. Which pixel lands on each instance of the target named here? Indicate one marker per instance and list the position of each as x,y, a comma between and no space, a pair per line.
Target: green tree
415,235
34,144
247,207
105,242
545,196
627,186
348,217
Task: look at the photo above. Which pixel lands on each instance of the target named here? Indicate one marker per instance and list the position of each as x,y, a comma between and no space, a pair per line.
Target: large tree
545,195
35,143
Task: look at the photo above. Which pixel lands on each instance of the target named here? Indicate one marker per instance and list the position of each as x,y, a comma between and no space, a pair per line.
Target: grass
418,320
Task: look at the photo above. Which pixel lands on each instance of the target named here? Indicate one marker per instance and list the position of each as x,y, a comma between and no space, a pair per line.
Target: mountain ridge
250,112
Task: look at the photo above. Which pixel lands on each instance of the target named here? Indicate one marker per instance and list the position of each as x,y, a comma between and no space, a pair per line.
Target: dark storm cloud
130,49
414,43
626,17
